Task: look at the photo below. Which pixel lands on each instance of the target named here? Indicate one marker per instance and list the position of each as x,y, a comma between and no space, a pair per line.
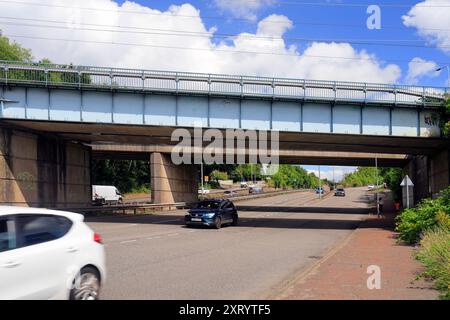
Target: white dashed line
128,241
172,234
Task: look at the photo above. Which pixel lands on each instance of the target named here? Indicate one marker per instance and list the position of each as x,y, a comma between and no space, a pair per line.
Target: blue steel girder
137,97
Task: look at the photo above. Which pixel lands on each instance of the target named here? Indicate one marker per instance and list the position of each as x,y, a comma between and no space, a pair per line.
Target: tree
219,175
364,176
12,51
290,176
126,175
246,172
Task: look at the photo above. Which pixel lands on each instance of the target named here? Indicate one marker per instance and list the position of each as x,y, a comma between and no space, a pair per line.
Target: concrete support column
430,174
42,172
172,183
439,171
418,171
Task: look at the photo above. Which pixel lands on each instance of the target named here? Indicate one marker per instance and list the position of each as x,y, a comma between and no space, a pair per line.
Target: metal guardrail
135,208
100,78
178,205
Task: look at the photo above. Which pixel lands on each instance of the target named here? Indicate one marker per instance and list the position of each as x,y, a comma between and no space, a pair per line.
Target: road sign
408,195
406,182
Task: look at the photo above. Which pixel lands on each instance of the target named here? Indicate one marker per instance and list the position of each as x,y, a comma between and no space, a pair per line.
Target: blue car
212,213
319,190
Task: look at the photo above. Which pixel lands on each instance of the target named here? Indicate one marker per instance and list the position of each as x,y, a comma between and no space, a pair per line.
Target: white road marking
172,234
128,241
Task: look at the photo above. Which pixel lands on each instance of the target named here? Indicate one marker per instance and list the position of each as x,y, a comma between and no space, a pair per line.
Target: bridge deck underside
295,147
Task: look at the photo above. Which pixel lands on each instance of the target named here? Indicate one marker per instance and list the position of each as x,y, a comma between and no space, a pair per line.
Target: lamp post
376,185
448,73
201,170
320,186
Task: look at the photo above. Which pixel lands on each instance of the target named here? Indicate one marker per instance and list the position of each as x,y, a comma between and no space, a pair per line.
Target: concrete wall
440,171
43,172
430,174
172,183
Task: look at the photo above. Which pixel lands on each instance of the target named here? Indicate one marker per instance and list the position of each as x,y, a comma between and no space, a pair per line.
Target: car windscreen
208,205
340,190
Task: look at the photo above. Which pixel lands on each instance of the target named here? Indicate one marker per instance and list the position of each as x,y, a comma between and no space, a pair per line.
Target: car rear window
35,229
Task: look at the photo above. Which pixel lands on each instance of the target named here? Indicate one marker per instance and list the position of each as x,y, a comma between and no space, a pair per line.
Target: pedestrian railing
100,78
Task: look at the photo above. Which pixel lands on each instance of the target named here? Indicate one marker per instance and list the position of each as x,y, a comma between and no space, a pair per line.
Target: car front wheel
218,223
86,285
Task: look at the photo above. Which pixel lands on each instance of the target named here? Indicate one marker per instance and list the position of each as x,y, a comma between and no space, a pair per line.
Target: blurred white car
48,254
370,187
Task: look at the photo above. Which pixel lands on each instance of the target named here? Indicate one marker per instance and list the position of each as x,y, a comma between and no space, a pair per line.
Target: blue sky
285,38
333,22
335,28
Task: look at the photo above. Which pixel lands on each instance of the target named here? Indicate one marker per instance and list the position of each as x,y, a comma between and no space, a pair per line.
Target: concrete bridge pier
172,183
430,174
43,172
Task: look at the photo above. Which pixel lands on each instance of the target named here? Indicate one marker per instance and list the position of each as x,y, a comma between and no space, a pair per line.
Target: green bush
412,223
218,175
434,253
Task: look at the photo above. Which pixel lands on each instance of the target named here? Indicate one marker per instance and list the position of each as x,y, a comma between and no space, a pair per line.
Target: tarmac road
157,257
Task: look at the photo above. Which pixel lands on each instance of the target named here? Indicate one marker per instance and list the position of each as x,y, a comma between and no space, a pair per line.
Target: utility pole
201,170
320,186
448,73
334,183
376,185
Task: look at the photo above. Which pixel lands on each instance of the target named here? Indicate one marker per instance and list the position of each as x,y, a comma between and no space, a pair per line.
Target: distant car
255,190
340,192
230,193
204,191
47,254
212,213
319,190
102,195
370,187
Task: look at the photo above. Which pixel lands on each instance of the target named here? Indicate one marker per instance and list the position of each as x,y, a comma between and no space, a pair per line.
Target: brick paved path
343,275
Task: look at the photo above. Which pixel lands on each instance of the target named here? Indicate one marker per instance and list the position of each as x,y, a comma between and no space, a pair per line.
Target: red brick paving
344,274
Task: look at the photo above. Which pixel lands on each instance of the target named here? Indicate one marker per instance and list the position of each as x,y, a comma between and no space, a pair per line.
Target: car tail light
97,238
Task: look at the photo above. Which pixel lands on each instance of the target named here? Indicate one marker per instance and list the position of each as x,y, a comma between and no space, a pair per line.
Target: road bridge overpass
318,121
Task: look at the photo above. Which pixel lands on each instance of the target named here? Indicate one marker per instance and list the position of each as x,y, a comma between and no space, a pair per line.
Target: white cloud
155,52
327,172
243,8
419,68
432,22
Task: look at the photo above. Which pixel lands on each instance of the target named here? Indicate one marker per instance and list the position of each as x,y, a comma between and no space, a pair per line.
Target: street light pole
334,183
201,170
376,185
320,186
448,73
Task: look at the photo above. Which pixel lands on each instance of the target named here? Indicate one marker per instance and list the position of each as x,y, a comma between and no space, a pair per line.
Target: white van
106,195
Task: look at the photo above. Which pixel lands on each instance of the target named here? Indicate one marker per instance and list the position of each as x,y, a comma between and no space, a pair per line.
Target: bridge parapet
185,83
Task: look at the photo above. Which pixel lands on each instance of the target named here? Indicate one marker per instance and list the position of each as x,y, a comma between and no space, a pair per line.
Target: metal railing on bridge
100,78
